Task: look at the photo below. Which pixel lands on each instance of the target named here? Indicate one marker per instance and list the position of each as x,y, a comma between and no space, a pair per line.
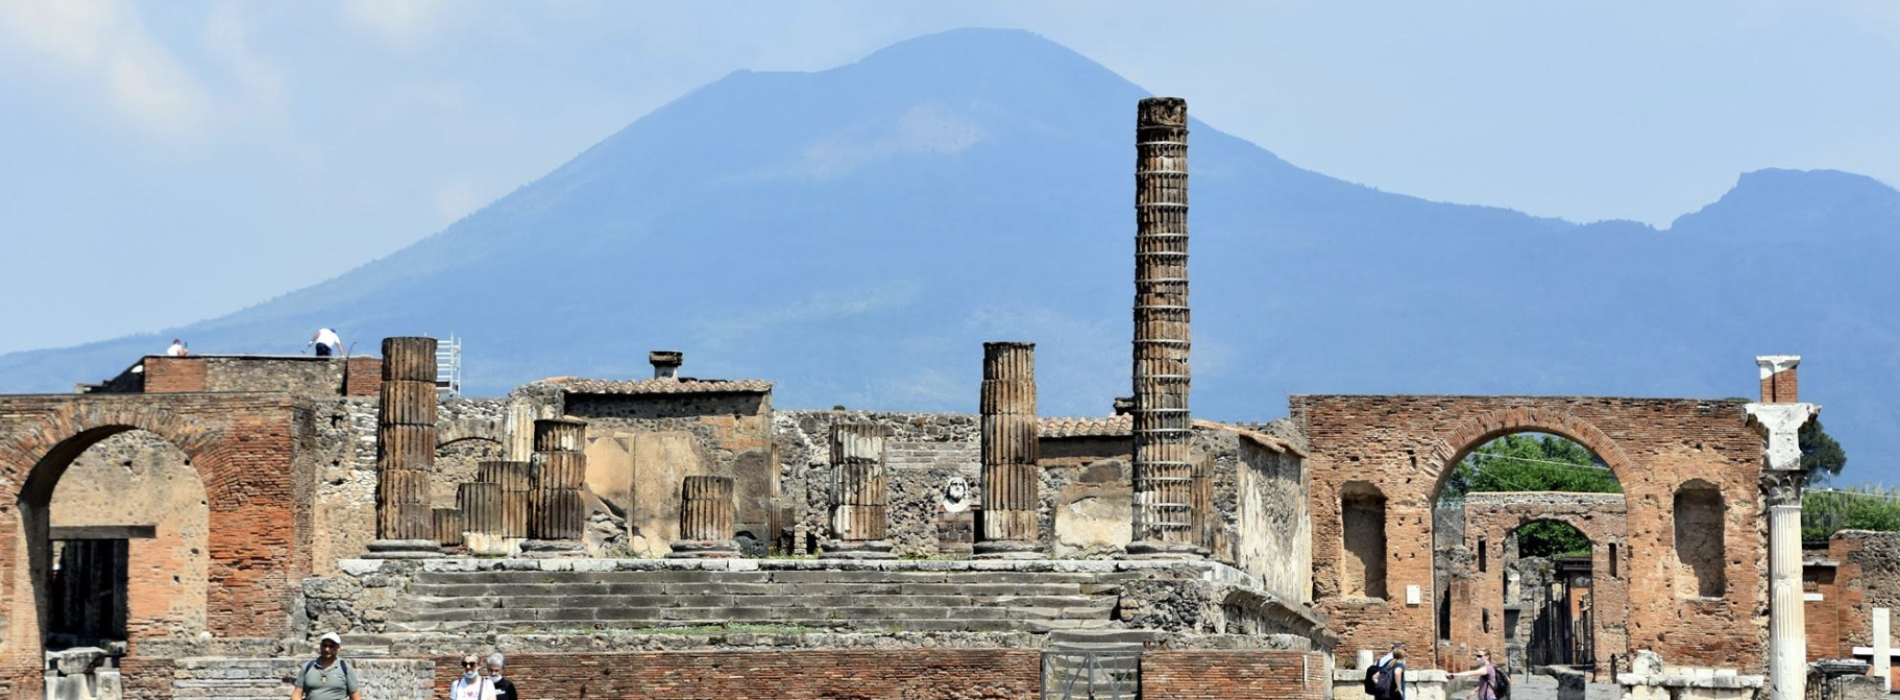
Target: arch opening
1519,523
117,526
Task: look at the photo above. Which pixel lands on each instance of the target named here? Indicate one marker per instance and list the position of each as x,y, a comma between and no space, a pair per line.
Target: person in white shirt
327,343
472,685
177,349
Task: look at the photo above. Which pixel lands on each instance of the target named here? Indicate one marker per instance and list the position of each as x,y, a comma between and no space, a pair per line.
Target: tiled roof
1123,426
1103,426
661,386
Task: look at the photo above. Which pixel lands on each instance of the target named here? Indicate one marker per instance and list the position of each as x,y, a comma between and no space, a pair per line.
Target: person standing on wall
327,343
504,688
177,349
472,685
328,677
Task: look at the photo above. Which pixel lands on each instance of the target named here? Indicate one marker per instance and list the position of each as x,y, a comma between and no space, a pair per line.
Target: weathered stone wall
1867,577
1273,536
302,375
923,452
344,518
950,674
1212,675
468,431
135,478
1403,446
656,440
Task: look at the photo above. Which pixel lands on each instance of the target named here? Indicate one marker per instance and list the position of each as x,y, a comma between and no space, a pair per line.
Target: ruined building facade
186,528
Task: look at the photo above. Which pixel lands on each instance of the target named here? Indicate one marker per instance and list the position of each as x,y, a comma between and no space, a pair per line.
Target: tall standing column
1780,416
405,450
1011,478
555,511
860,495
1164,471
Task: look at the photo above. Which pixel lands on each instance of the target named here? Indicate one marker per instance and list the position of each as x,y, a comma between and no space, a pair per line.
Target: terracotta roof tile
662,386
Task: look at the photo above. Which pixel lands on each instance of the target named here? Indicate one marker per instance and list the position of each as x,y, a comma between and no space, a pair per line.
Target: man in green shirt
328,677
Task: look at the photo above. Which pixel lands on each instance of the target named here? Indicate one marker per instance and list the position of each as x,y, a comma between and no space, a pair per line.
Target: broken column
556,514
1011,478
1780,416
860,495
515,479
705,519
448,526
1165,474
405,451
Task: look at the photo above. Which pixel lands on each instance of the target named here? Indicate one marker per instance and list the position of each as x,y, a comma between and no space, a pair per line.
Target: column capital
1781,424
1783,488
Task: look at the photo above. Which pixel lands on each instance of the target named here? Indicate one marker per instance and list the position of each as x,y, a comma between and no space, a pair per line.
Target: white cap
330,637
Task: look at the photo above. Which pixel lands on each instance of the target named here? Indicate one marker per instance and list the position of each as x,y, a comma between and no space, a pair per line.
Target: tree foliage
1824,513
1529,462
1821,456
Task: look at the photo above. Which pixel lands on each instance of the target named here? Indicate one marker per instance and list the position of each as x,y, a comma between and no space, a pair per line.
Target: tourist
177,349
327,343
471,686
504,688
328,677
1393,668
1487,677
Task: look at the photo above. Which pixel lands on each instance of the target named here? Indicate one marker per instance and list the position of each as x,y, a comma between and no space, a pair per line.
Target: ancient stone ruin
189,528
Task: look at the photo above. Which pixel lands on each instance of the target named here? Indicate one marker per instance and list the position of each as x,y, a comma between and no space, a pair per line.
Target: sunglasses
468,664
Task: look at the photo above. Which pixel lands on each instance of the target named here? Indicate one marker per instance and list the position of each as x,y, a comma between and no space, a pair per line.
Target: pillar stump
860,496
706,512
556,513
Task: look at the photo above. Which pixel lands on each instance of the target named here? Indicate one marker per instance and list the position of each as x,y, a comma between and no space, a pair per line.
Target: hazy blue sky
166,162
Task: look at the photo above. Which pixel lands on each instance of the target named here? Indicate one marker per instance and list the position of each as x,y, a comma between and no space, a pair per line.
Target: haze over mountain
855,234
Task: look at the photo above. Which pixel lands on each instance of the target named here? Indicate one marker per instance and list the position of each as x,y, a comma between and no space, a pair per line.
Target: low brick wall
1194,675
952,674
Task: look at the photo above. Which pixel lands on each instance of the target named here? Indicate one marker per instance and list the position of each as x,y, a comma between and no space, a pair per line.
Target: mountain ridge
854,233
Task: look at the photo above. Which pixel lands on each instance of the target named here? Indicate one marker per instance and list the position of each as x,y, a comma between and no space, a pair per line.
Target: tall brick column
860,493
705,519
1166,478
556,514
1780,416
1011,478
405,451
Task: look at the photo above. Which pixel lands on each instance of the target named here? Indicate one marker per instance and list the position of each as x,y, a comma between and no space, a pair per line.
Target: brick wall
1402,445
363,376
250,452
1490,518
174,374
1193,675
952,674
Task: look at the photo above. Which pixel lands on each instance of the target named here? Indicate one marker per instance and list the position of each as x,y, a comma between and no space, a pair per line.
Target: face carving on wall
956,494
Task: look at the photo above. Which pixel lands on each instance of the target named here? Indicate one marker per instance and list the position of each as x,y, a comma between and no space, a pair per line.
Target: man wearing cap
328,677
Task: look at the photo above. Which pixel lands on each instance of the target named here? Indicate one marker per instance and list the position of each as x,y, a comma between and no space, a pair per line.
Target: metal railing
1091,674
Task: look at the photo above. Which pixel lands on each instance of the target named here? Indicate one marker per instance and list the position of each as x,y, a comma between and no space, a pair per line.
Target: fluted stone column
1164,470
556,514
516,479
860,518
706,512
1011,477
1780,416
448,526
405,451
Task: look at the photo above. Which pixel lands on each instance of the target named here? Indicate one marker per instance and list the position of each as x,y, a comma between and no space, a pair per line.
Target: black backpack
1500,683
1372,680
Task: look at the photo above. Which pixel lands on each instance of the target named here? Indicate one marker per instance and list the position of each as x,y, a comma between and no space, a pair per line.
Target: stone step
690,576
814,611
510,590
422,603
581,627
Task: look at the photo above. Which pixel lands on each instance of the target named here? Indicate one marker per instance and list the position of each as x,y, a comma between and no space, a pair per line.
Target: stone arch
468,429
456,459
1453,446
251,452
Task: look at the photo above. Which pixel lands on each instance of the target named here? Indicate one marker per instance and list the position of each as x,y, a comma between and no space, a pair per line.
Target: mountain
855,234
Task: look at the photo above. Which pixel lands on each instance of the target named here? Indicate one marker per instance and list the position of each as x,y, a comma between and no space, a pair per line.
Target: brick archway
1490,518
1404,445
252,452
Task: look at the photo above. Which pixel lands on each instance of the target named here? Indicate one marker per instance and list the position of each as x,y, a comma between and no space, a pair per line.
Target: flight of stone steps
556,602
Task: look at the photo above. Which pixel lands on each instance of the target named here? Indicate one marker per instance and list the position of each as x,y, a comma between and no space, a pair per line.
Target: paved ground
1541,688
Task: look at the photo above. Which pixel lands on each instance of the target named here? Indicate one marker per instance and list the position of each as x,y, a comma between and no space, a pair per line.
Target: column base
552,549
480,544
1165,550
857,549
404,549
1006,549
704,549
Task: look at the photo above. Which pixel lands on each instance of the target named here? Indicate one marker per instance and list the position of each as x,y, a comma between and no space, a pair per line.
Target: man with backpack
328,677
1386,679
